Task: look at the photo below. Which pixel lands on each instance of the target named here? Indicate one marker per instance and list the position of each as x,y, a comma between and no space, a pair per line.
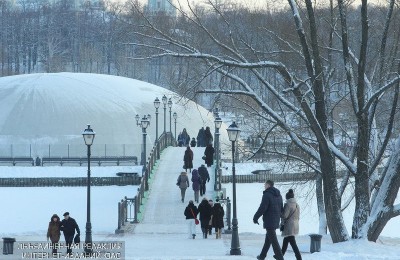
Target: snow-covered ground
26,212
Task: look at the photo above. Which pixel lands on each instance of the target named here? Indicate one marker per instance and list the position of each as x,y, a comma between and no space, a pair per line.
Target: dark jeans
202,188
293,244
68,241
270,238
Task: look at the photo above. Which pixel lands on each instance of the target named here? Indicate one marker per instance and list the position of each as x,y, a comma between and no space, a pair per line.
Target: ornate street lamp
175,115
144,123
88,136
170,117
233,133
137,117
218,123
157,104
164,100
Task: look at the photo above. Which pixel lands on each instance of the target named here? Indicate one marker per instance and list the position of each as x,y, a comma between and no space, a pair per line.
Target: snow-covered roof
54,108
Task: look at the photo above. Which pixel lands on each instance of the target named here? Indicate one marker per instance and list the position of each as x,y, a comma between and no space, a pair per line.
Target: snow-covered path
163,212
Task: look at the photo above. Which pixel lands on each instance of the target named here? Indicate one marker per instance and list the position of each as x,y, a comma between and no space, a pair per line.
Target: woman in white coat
290,224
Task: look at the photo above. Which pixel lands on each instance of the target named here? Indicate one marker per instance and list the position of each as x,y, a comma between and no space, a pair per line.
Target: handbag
196,221
77,239
282,227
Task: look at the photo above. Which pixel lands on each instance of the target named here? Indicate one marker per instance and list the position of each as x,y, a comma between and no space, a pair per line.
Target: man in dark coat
201,138
209,153
68,226
205,177
208,136
188,159
271,208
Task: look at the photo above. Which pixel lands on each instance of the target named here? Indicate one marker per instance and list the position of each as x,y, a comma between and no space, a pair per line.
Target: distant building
161,6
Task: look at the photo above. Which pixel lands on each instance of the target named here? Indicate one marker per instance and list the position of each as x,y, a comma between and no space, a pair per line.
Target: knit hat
290,194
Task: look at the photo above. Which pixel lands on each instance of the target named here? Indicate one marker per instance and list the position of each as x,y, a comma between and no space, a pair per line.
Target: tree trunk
332,200
362,195
321,205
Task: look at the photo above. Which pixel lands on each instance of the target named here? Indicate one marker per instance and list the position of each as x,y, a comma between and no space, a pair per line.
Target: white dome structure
45,114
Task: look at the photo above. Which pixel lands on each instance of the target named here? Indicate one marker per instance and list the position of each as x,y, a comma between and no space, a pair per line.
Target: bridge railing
127,205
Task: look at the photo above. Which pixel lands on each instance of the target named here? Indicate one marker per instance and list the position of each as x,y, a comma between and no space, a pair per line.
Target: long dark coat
218,216
188,159
208,136
201,138
53,232
205,211
209,153
271,208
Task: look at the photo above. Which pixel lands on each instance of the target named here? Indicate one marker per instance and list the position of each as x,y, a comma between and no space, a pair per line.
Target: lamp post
164,100
233,133
170,117
144,123
218,123
175,115
88,136
157,105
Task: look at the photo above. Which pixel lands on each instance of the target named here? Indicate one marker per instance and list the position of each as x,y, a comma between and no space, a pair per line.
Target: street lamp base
235,251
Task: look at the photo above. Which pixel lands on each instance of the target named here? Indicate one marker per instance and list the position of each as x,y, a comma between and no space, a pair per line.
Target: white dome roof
42,110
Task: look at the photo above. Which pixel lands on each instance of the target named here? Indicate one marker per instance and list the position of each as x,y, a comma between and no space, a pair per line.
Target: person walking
180,140
53,233
190,213
271,208
211,202
68,227
201,138
196,184
209,153
205,211
205,177
193,142
290,224
185,137
218,218
208,136
183,184
188,159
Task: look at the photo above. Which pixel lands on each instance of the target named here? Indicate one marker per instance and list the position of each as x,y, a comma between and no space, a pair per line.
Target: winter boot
194,236
205,235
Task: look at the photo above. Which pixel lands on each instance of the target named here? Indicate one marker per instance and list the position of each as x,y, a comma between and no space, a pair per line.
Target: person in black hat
68,226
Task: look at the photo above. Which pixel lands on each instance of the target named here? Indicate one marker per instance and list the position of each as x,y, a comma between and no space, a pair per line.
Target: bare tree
307,72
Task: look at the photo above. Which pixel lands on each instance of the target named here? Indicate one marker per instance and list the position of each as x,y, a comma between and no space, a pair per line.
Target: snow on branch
380,92
343,158
396,210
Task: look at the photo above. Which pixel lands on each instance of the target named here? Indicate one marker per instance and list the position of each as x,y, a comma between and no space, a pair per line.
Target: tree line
309,72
